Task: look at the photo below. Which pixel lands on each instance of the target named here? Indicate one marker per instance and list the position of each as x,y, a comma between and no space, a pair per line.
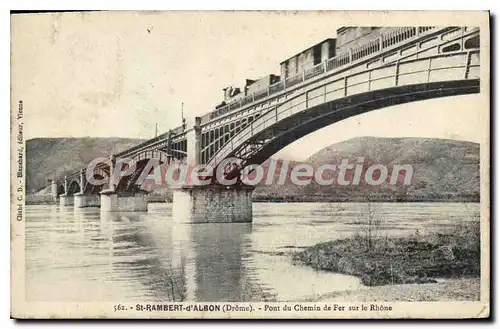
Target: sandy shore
465,289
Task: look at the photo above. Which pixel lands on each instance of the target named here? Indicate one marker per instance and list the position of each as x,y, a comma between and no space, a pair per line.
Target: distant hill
443,170
44,155
446,170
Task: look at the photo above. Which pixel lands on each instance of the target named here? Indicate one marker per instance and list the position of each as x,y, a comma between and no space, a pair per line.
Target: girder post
194,143
65,185
112,164
108,196
397,73
82,180
169,145
467,65
53,189
65,199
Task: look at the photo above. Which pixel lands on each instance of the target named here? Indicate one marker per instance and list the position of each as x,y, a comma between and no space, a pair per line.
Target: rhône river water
82,255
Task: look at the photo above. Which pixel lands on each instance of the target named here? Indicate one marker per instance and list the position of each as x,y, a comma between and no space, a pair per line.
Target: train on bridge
347,38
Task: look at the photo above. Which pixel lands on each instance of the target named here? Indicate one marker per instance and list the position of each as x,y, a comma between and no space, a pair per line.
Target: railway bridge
407,64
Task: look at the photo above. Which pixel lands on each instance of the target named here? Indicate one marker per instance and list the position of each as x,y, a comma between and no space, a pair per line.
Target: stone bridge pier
66,200
114,201
82,200
212,204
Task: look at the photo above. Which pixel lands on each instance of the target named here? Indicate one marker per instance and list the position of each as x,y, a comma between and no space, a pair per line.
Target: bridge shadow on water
168,261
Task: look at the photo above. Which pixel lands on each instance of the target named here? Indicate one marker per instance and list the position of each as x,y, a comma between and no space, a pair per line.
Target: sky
118,74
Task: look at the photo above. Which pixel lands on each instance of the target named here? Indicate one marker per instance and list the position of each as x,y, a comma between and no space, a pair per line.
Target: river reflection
86,255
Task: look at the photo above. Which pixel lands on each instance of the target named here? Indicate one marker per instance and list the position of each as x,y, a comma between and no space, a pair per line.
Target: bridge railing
279,86
150,142
367,49
314,71
337,61
386,40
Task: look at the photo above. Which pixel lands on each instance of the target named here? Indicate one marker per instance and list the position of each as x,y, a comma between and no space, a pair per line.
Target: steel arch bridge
405,65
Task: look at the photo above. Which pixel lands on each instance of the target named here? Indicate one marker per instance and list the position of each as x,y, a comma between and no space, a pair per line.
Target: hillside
45,155
443,170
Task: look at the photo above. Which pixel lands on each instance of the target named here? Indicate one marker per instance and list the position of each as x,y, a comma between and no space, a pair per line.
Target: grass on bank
380,260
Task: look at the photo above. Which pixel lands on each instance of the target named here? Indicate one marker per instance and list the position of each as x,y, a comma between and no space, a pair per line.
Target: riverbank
379,260
37,200
466,289
32,199
258,197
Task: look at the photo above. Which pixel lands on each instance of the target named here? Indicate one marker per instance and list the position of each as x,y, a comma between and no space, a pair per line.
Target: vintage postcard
229,165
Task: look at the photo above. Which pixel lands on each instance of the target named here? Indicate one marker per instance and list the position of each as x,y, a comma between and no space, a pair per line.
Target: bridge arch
60,189
73,186
145,162
100,173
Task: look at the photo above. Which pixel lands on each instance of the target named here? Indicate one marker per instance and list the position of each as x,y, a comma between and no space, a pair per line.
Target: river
82,255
